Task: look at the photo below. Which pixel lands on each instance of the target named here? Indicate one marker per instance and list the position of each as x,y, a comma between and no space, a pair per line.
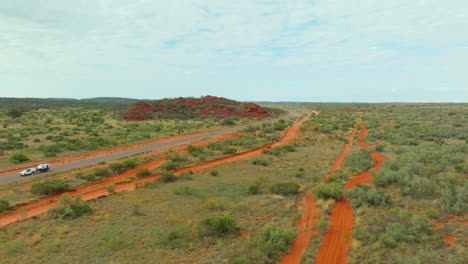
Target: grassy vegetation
421,184
241,231
248,213
58,132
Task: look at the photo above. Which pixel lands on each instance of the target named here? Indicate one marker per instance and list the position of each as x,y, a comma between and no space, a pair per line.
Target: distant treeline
106,103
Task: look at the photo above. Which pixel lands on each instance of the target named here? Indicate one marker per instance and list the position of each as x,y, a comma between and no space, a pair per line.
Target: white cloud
64,43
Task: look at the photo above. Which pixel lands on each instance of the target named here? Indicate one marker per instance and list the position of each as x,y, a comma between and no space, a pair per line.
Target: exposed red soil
366,177
344,152
337,241
310,218
189,107
338,238
307,228
449,239
351,110
97,190
362,136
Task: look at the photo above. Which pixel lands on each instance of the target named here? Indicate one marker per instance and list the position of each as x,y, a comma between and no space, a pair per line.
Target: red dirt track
306,230
310,218
97,190
344,152
337,241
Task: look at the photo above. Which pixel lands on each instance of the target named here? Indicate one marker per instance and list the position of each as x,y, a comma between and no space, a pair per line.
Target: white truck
40,168
43,167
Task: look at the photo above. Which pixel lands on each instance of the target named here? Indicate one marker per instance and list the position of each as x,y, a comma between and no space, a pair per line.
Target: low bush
329,191
260,162
229,151
50,187
363,196
142,172
273,241
213,204
285,188
110,188
168,176
177,238
69,209
101,172
18,158
4,205
217,226
186,175
254,188
214,173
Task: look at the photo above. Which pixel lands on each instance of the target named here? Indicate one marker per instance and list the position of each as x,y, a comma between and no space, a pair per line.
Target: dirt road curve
337,241
91,192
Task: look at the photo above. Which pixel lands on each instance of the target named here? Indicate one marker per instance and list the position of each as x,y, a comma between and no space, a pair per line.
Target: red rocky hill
190,107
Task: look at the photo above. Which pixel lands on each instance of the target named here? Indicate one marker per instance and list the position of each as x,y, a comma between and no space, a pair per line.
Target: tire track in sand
307,224
87,193
337,241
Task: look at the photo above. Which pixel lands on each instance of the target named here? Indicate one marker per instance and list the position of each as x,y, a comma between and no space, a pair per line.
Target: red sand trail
337,241
311,213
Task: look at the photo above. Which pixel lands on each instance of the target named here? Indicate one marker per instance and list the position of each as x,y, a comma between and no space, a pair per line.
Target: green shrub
170,165
229,151
117,167
186,175
273,241
168,176
214,173
254,188
285,188
4,205
18,158
213,204
69,209
363,196
415,229
217,226
110,188
454,199
177,238
329,191
142,172
214,146
261,162
50,187
101,172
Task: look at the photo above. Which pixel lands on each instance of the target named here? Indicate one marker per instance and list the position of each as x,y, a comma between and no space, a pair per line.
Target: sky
251,50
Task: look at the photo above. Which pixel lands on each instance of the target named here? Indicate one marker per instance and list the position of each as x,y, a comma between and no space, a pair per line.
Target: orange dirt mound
191,107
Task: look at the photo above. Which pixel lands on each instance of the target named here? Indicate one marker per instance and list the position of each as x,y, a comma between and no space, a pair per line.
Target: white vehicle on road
28,172
43,167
